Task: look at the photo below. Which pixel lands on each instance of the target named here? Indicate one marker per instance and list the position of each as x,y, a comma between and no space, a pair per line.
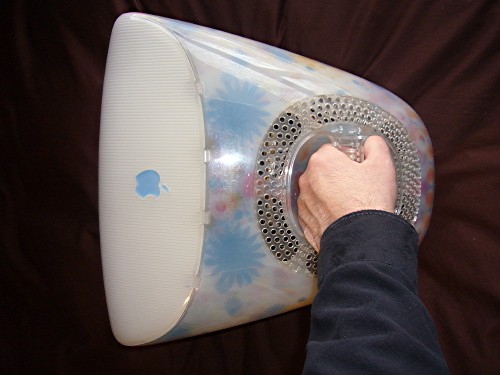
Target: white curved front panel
151,181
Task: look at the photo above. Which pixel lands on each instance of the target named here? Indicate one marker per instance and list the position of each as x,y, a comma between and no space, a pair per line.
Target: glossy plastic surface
243,85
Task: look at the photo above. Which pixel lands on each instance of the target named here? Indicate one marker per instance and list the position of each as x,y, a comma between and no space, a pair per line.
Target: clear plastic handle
346,137
352,147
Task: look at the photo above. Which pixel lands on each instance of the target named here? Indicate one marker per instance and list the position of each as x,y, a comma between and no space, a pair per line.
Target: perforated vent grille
297,121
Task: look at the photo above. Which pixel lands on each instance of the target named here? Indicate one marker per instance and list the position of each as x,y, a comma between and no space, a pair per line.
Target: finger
305,229
311,239
304,214
332,152
376,148
307,222
326,160
327,148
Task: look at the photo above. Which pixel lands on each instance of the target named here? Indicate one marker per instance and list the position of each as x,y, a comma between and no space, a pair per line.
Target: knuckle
383,146
302,181
300,203
313,159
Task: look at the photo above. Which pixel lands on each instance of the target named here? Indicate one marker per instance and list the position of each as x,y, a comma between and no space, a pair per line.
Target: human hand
333,186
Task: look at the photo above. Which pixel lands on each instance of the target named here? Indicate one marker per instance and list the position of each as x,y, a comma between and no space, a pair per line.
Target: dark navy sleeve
367,317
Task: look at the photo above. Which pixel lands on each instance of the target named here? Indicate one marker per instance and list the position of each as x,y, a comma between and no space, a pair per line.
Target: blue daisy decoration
277,52
178,332
234,256
233,305
239,107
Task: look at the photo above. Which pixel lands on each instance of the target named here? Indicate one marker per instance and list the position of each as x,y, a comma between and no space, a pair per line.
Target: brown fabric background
442,57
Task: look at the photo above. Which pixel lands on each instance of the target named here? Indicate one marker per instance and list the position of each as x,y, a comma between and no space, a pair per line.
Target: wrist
370,235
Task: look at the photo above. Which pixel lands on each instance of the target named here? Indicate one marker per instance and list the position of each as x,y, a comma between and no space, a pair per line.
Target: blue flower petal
239,107
233,306
234,257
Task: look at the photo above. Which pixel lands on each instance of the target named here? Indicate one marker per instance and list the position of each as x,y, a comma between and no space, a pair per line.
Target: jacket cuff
369,236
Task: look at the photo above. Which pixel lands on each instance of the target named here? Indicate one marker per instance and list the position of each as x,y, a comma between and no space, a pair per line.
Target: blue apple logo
148,183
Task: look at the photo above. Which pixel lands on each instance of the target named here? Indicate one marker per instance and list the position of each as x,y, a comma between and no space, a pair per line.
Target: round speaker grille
275,213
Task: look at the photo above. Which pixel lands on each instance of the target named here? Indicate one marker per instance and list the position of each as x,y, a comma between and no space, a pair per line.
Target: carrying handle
353,147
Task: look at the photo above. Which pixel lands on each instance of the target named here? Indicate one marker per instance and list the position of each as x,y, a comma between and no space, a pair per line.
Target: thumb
376,148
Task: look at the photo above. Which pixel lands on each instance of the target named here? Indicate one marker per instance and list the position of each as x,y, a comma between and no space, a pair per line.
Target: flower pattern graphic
240,280
233,305
178,332
239,107
234,256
